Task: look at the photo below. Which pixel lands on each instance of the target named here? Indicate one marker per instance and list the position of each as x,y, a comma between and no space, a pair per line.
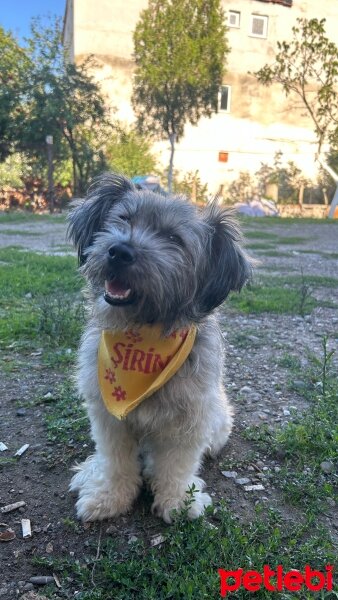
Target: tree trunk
301,196
50,178
172,137
334,175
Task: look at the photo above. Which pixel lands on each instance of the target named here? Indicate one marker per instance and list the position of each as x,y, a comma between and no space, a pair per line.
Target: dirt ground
257,386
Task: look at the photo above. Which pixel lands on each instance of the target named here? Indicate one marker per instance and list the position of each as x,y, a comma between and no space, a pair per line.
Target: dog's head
157,258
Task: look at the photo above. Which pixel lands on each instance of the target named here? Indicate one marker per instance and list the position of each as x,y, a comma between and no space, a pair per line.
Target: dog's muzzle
117,292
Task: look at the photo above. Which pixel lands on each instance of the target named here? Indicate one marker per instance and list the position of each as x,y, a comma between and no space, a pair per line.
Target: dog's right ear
89,215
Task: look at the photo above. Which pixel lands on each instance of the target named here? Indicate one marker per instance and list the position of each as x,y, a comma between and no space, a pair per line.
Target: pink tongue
115,288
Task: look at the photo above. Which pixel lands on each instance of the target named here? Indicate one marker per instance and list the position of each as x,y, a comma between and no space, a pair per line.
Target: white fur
189,416
180,264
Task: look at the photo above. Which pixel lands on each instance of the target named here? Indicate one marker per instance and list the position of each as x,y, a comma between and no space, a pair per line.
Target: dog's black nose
122,253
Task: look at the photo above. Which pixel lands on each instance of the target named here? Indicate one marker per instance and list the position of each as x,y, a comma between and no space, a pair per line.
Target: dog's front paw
164,507
101,495
96,505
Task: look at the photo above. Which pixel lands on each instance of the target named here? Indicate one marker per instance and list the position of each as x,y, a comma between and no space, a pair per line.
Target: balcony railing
282,2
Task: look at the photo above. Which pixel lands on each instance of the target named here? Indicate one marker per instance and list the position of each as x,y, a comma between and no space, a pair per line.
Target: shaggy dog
154,264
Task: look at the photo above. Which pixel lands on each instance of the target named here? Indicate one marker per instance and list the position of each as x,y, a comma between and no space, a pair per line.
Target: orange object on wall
223,156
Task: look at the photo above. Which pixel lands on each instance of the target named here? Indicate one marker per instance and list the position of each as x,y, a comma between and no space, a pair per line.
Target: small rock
28,295
331,502
49,548
49,395
132,539
277,469
245,390
42,580
286,412
28,587
327,466
111,529
242,480
254,488
21,412
230,474
156,540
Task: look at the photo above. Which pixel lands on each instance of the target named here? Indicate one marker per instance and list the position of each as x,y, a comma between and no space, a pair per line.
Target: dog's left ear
227,268
89,215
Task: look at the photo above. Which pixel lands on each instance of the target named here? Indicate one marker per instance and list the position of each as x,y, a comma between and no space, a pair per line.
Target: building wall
261,120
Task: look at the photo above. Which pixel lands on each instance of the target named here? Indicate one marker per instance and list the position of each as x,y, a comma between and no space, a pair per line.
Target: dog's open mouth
116,292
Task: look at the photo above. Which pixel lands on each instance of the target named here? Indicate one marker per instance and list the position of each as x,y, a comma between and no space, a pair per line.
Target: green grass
259,246
51,308
284,221
308,439
185,566
271,296
293,240
260,235
19,232
282,295
27,217
66,418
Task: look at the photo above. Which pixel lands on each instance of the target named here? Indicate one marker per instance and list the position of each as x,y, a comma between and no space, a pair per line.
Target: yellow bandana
133,364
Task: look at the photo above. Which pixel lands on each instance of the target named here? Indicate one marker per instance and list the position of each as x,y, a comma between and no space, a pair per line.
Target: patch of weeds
7,460
185,566
247,338
232,464
61,320
308,440
71,524
290,361
66,419
29,280
304,295
271,295
283,295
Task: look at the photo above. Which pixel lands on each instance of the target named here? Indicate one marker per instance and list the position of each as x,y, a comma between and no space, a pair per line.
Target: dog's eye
124,218
175,238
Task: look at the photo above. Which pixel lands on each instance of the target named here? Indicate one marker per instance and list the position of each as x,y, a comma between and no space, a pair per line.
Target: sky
16,14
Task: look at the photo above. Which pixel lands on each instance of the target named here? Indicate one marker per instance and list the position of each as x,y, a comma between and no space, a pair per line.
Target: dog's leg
175,467
222,428
109,480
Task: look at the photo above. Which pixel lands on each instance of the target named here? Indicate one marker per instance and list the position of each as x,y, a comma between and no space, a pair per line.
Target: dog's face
156,258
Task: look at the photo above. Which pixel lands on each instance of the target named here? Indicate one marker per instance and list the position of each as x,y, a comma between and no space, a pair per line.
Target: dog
156,267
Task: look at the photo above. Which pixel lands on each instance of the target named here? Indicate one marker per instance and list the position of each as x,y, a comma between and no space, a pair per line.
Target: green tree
307,68
130,153
13,65
63,100
180,51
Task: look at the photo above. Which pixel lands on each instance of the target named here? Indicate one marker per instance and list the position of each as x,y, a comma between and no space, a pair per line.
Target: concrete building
253,122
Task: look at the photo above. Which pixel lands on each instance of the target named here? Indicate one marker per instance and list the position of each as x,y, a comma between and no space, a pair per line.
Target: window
224,98
259,26
234,18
